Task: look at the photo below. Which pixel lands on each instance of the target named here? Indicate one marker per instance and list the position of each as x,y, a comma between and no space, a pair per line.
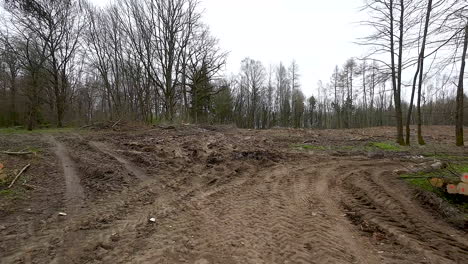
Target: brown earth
223,195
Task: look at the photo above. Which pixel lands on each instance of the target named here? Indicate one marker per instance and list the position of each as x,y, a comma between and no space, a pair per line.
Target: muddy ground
218,194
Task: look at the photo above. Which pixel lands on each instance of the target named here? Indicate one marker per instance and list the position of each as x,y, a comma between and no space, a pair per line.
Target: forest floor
217,194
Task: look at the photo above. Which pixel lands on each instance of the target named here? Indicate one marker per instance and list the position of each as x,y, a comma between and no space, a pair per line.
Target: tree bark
460,94
421,71
410,108
13,113
396,82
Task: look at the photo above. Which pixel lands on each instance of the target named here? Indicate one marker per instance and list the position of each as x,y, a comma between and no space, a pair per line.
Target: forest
70,63
212,131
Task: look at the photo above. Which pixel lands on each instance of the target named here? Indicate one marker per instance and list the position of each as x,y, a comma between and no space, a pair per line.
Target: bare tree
389,20
460,93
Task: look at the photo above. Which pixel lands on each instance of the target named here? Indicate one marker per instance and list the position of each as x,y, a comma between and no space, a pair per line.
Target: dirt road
222,196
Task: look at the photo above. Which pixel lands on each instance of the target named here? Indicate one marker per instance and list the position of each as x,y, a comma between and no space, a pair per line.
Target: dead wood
19,174
16,153
116,123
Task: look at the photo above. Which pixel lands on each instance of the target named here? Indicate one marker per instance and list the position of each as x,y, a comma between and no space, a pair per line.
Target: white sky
318,34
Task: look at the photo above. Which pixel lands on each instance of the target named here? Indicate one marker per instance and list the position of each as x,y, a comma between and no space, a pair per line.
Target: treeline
146,60
412,39
66,61
358,95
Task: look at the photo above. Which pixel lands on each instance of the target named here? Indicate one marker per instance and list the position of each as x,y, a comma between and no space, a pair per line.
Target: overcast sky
317,34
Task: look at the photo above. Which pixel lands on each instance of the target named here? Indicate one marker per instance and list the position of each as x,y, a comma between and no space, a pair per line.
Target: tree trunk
410,108
421,71
460,95
396,82
13,100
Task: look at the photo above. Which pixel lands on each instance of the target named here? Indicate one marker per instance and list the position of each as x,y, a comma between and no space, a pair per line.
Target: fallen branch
116,123
86,126
16,153
166,127
19,174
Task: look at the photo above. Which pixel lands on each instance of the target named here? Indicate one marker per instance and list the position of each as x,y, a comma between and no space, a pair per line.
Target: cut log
437,182
463,188
464,177
452,188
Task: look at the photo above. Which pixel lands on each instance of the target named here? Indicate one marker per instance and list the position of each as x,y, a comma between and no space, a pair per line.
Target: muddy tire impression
224,197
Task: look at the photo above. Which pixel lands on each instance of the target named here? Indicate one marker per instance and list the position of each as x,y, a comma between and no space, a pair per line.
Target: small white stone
152,219
62,214
437,166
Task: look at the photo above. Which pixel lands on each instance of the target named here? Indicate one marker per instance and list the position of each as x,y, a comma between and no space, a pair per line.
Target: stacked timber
459,187
463,185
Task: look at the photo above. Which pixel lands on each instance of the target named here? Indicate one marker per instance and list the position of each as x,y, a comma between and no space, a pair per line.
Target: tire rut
103,147
74,194
274,216
376,200
288,213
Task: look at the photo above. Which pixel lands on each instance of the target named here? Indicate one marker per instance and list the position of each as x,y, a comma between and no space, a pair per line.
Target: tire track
288,213
74,191
275,216
377,201
103,147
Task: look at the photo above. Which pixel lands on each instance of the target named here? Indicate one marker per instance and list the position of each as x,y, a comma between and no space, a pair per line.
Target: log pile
450,185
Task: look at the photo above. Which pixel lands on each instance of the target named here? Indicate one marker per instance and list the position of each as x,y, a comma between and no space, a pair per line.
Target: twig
17,153
33,186
116,123
86,126
452,170
19,174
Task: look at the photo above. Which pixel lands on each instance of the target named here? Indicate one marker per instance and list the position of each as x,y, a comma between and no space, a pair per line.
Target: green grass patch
421,183
12,130
385,146
348,147
8,193
309,147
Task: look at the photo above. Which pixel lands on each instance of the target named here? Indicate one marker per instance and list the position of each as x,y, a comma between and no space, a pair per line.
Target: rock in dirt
62,214
376,155
152,220
400,171
438,165
166,127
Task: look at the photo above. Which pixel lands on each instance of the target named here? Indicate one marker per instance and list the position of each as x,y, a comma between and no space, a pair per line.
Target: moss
7,193
309,147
